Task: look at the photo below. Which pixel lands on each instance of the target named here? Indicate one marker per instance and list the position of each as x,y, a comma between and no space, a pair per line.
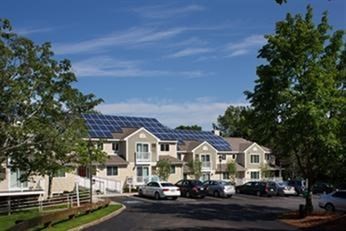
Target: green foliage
281,1
41,128
299,99
192,127
265,170
164,169
231,168
236,122
196,168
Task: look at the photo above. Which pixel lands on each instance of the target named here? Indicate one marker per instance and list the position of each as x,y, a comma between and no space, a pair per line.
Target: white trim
103,139
138,130
15,193
149,151
254,143
169,141
204,142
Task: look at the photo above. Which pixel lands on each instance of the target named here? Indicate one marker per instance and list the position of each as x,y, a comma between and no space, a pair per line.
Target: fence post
68,201
40,204
9,206
77,194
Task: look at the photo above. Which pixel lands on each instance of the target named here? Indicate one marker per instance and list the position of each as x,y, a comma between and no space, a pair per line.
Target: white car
159,190
284,189
334,201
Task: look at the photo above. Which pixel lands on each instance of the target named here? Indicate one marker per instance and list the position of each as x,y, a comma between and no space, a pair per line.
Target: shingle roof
125,132
115,160
172,160
188,145
225,169
239,144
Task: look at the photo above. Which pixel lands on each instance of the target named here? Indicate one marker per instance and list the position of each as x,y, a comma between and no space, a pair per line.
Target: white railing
143,157
206,165
104,185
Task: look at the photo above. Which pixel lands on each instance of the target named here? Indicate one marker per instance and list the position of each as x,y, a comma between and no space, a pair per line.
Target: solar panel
102,126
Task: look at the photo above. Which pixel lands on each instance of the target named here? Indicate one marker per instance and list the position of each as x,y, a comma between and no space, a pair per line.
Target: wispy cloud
246,45
28,31
167,11
133,36
190,52
108,67
203,111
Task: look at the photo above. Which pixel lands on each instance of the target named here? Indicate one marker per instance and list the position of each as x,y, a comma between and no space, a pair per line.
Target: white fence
103,185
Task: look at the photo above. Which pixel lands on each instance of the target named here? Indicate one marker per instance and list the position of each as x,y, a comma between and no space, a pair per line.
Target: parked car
322,187
299,185
219,188
159,190
283,189
191,188
334,201
258,188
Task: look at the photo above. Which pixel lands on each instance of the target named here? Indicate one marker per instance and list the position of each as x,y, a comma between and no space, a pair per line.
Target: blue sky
182,62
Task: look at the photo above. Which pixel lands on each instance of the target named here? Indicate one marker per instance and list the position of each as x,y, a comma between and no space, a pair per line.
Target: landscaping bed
316,221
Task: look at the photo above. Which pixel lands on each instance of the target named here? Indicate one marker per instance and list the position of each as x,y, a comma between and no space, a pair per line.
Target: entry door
142,174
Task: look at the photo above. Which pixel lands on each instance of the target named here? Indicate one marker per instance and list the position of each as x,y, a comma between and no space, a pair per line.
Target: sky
182,62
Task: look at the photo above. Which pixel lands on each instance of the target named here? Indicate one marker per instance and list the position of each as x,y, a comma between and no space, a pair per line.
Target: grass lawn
83,219
7,221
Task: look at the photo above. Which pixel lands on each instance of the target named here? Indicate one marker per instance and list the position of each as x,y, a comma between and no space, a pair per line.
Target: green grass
83,219
7,221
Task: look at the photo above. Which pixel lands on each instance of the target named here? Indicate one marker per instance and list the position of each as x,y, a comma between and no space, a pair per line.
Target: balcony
206,166
143,157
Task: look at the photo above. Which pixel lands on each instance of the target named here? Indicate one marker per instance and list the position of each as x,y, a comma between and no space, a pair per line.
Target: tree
195,168
299,99
236,122
232,170
40,112
192,127
265,170
164,169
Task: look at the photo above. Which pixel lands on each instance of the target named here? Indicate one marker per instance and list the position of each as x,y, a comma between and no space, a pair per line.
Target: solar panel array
102,126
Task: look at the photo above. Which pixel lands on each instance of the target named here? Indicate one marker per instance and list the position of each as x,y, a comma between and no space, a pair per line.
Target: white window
164,147
254,159
112,170
254,175
225,175
60,173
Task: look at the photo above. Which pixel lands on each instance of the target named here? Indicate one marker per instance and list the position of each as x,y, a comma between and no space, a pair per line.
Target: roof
110,126
189,145
172,160
239,144
115,160
225,169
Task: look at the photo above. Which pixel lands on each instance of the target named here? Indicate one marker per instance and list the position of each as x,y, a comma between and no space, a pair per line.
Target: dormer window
115,147
164,147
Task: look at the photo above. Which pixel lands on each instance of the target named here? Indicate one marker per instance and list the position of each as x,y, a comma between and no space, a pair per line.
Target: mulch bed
325,221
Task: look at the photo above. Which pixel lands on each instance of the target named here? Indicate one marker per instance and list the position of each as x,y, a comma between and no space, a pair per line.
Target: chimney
217,132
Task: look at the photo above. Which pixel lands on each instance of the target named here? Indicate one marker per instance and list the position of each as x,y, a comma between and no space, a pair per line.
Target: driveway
242,212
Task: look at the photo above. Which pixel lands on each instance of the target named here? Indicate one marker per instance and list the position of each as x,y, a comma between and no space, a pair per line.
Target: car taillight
165,189
266,189
195,189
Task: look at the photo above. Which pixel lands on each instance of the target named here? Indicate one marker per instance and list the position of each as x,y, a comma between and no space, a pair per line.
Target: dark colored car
259,188
299,185
191,188
322,187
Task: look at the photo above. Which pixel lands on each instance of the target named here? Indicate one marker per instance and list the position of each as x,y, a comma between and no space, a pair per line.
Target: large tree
40,111
299,99
236,122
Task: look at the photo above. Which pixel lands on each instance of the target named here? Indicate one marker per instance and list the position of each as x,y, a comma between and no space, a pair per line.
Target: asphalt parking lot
241,212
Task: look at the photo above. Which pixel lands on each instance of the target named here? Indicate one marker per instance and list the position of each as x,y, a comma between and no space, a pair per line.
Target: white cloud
246,45
167,11
189,52
104,66
133,36
28,31
203,111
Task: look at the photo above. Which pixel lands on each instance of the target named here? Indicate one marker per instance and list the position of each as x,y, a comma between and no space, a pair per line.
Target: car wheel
237,191
174,198
157,196
140,193
258,193
329,207
187,194
229,196
216,194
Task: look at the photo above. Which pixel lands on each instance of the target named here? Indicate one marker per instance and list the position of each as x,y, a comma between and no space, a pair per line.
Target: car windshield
166,184
225,183
282,184
196,182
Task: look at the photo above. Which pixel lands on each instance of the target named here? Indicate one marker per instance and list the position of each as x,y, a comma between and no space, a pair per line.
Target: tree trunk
50,181
308,197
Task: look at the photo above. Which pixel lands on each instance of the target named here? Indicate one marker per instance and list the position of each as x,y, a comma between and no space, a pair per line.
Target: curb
98,221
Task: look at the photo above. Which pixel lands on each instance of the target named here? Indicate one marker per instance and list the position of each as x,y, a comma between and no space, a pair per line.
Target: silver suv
334,201
219,188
